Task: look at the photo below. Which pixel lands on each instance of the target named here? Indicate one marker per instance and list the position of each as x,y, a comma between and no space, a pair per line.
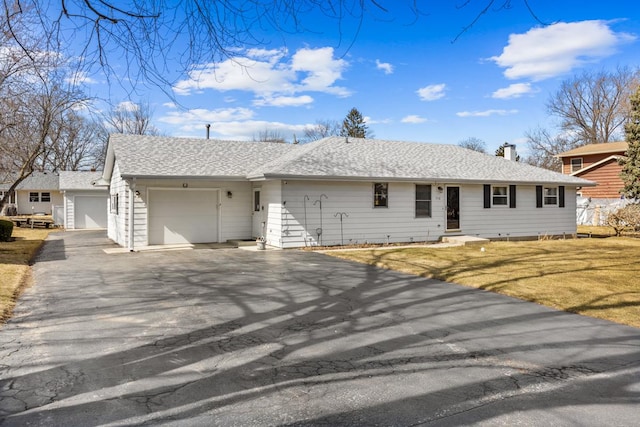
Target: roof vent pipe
346,139
208,128
510,151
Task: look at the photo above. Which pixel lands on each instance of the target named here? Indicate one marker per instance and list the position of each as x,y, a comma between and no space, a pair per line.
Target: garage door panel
90,212
183,216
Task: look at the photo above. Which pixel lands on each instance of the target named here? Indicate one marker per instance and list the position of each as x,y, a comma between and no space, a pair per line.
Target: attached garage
90,212
183,216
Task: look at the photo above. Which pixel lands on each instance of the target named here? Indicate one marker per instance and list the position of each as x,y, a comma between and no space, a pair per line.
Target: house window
256,200
500,196
423,201
45,197
576,164
114,204
380,194
34,197
550,195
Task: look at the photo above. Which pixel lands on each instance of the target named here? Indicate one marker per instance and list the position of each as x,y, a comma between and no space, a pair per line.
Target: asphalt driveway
231,337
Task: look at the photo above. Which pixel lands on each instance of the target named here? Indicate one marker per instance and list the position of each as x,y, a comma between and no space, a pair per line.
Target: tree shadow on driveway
234,337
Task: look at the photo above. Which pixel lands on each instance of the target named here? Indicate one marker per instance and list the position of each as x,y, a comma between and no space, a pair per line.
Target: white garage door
90,211
183,216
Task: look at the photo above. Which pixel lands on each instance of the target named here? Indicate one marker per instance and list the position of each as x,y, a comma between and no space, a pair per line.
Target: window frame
429,201
546,196
256,200
34,197
504,196
42,197
380,196
571,165
113,208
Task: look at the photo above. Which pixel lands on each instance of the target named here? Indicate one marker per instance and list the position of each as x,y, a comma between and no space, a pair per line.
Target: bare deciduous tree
543,146
594,106
322,129
132,119
34,140
270,135
148,34
473,143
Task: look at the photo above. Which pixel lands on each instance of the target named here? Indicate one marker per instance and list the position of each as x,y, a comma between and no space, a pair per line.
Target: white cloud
197,118
545,52
413,119
515,90
271,75
486,113
432,92
284,101
80,77
384,66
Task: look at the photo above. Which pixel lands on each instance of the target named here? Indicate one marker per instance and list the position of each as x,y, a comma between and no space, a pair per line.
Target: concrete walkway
229,337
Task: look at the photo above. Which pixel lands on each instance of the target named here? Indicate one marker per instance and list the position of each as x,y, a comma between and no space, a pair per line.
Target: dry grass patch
15,260
593,277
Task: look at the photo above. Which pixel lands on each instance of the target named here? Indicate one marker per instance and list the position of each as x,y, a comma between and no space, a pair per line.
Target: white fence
595,211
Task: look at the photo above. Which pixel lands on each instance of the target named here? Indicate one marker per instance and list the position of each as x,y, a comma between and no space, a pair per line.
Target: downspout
132,195
64,210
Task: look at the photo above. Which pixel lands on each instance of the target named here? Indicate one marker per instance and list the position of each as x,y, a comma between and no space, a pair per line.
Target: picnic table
32,221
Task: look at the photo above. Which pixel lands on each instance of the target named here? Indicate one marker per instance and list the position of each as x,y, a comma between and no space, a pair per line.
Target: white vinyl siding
26,207
523,221
398,222
118,217
235,211
364,223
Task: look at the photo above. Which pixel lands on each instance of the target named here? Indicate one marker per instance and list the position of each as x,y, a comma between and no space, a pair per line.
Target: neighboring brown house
598,163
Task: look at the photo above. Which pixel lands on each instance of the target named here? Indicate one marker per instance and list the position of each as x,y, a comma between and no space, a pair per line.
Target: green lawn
593,277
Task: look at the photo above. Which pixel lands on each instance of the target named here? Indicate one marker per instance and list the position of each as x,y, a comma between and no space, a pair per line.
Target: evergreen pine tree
631,161
353,125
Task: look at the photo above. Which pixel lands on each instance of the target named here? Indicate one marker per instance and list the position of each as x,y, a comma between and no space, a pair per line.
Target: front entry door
258,220
453,208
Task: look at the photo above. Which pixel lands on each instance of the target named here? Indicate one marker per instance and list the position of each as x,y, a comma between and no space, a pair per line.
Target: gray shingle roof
151,156
398,160
35,181
79,180
329,158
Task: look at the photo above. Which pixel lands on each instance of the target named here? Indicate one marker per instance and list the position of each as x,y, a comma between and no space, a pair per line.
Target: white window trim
374,195
544,196
505,196
572,170
415,214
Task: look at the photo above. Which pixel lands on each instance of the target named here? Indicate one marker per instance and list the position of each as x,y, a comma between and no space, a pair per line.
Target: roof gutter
582,182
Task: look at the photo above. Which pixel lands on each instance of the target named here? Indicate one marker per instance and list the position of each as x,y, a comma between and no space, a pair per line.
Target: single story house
85,204
336,190
38,193
597,163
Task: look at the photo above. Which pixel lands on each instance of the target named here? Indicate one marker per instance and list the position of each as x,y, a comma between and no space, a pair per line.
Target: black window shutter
487,196
538,196
561,196
512,196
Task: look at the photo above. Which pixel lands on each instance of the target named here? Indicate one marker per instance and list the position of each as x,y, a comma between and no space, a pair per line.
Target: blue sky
408,77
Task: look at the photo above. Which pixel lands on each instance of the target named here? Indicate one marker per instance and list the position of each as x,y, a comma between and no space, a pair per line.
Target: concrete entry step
465,240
